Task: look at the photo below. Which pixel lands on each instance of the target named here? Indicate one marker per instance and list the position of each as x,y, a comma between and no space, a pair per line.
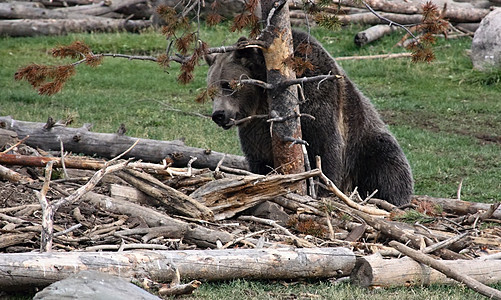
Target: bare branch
390,22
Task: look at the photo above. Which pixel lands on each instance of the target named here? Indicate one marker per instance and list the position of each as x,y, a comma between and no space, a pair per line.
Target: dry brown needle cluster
49,80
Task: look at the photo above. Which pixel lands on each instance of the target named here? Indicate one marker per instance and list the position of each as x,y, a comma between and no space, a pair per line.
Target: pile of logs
20,18
62,213
57,17
467,15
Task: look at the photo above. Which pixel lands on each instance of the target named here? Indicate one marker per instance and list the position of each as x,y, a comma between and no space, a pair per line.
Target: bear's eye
225,85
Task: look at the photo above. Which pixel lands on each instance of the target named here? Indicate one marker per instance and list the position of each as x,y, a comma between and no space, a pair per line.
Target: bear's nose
218,117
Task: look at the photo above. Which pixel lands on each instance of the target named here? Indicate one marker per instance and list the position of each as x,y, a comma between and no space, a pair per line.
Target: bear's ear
210,59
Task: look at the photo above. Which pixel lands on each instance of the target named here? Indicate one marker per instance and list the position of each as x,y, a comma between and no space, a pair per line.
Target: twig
74,227
122,154
445,243
90,184
448,271
390,22
62,159
247,119
460,186
378,56
230,243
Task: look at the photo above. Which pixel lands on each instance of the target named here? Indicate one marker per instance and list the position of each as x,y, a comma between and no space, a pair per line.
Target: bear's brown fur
357,149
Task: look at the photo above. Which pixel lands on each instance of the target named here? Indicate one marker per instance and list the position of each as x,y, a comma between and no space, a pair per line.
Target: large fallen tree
50,135
31,270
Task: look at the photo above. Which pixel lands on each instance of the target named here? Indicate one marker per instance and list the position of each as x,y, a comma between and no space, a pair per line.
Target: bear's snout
219,117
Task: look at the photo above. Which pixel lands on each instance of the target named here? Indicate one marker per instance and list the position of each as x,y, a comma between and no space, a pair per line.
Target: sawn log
375,271
29,270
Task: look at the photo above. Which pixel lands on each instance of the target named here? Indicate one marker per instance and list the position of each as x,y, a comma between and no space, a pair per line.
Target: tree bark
30,270
288,157
375,271
26,27
81,140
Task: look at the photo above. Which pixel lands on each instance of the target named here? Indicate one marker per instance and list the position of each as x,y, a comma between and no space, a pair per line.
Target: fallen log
101,8
372,34
455,12
23,11
458,207
21,271
456,274
375,271
108,145
27,27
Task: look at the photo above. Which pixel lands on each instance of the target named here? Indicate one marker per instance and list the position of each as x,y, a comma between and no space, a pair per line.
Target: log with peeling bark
100,8
29,270
372,34
26,27
455,12
229,196
458,207
16,10
375,271
107,145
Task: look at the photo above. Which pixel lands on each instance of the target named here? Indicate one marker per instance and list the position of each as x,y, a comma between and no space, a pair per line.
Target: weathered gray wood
173,200
107,145
229,196
28,270
375,271
191,233
372,34
27,27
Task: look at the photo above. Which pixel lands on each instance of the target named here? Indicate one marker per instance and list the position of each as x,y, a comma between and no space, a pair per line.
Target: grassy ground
445,115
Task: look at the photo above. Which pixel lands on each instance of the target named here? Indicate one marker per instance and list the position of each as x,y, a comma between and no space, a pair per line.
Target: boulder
486,45
93,285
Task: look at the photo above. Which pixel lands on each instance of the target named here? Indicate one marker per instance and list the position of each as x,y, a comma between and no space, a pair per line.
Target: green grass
445,115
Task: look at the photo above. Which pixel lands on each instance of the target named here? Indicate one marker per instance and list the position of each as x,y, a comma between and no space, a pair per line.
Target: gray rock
269,210
486,45
93,285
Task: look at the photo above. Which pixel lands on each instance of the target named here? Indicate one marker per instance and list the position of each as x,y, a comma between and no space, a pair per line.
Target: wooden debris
107,145
30,270
227,197
375,271
160,208
454,273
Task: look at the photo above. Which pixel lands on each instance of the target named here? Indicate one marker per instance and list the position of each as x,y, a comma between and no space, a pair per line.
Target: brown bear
356,148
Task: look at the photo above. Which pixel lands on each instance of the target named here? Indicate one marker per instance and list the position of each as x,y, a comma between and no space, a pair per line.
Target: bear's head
226,69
